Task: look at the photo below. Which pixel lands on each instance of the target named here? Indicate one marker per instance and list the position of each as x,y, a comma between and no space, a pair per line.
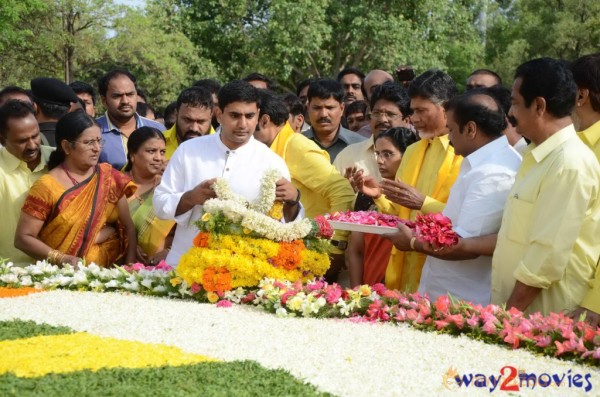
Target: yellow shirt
591,300
550,233
360,155
15,181
322,188
431,166
171,140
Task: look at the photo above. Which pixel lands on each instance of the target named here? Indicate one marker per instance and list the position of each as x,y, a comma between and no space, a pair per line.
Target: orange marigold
288,255
201,240
12,292
216,279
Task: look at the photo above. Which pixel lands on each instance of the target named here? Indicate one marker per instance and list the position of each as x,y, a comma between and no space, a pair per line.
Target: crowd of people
516,171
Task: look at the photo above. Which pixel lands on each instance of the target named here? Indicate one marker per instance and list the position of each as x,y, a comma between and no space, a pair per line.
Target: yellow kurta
322,188
172,143
591,300
15,181
431,166
550,233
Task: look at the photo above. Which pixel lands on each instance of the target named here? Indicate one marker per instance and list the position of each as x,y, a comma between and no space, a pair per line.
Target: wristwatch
339,244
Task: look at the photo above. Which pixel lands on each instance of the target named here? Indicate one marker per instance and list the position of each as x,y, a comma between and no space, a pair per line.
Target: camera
405,73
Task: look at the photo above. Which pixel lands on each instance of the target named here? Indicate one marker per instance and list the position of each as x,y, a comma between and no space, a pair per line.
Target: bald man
374,79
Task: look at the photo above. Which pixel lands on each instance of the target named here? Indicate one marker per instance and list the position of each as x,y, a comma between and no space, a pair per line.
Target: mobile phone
405,73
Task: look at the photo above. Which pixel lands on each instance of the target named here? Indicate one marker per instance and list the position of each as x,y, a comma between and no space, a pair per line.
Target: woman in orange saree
79,209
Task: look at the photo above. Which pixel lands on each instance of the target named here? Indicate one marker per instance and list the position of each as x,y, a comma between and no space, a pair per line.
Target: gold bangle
412,243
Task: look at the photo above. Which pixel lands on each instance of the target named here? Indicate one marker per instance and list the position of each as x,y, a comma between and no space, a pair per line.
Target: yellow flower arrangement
248,260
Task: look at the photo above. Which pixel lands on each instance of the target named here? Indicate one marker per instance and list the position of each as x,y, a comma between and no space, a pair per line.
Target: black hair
393,92
401,137
434,85
142,108
141,93
273,106
489,73
52,110
213,86
302,84
69,128
260,77
13,109
465,108
502,95
13,89
355,71
195,97
238,91
84,88
170,110
325,88
550,79
356,107
293,103
105,80
137,138
586,72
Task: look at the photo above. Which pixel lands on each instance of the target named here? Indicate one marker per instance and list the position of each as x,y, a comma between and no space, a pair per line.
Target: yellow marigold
175,281
276,211
212,297
41,355
6,292
364,290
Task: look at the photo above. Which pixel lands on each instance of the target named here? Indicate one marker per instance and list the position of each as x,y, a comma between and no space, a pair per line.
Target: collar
480,155
591,134
339,135
241,150
542,150
13,163
442,140
112,127
279,144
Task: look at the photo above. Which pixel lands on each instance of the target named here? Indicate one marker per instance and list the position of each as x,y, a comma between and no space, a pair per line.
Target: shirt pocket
519,222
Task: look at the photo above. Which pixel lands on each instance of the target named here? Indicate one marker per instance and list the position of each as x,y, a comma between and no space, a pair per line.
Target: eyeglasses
384,155
90,144
388,115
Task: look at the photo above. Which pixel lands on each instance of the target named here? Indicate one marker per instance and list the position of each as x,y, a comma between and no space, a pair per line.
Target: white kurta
204,158
475,207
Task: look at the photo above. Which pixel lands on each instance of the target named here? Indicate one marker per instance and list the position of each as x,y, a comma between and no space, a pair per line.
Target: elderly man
426,174
549,242
119,96
194,113
233,154
22,162
476,123
325,110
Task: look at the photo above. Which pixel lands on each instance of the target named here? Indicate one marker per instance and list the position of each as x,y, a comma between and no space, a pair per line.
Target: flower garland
552,335
266,197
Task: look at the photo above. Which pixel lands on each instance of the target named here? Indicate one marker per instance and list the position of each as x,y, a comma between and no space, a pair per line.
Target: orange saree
73,217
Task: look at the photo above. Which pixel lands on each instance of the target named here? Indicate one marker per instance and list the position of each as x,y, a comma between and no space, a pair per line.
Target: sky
132,3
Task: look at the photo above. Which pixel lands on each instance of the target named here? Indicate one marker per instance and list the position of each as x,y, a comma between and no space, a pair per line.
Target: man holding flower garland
234,155
323,190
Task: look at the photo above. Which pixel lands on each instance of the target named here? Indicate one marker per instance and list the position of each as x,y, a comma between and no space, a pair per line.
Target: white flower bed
340,357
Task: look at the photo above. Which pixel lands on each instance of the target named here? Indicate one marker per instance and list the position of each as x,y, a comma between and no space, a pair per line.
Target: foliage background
171,43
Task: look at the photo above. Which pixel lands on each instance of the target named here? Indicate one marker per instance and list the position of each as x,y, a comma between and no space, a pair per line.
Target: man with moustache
119,96
233,154
22,162
325,110
428,170
390,106
351,80
194,113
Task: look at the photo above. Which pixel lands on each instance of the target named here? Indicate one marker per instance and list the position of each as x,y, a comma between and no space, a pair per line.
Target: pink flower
223,304
473,321
440,324
378,311
543,340
412,314
317,285
401,315
333,294
195,288
442,303
162,265
457,319
489,327
594,353
379,288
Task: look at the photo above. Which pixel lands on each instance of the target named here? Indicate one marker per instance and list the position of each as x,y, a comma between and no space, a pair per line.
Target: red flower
325,229
435,229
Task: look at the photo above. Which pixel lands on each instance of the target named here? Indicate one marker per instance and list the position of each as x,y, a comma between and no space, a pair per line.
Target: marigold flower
202,239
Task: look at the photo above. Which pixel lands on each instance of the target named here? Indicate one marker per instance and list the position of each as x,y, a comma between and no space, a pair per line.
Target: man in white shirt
476,201
232,154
